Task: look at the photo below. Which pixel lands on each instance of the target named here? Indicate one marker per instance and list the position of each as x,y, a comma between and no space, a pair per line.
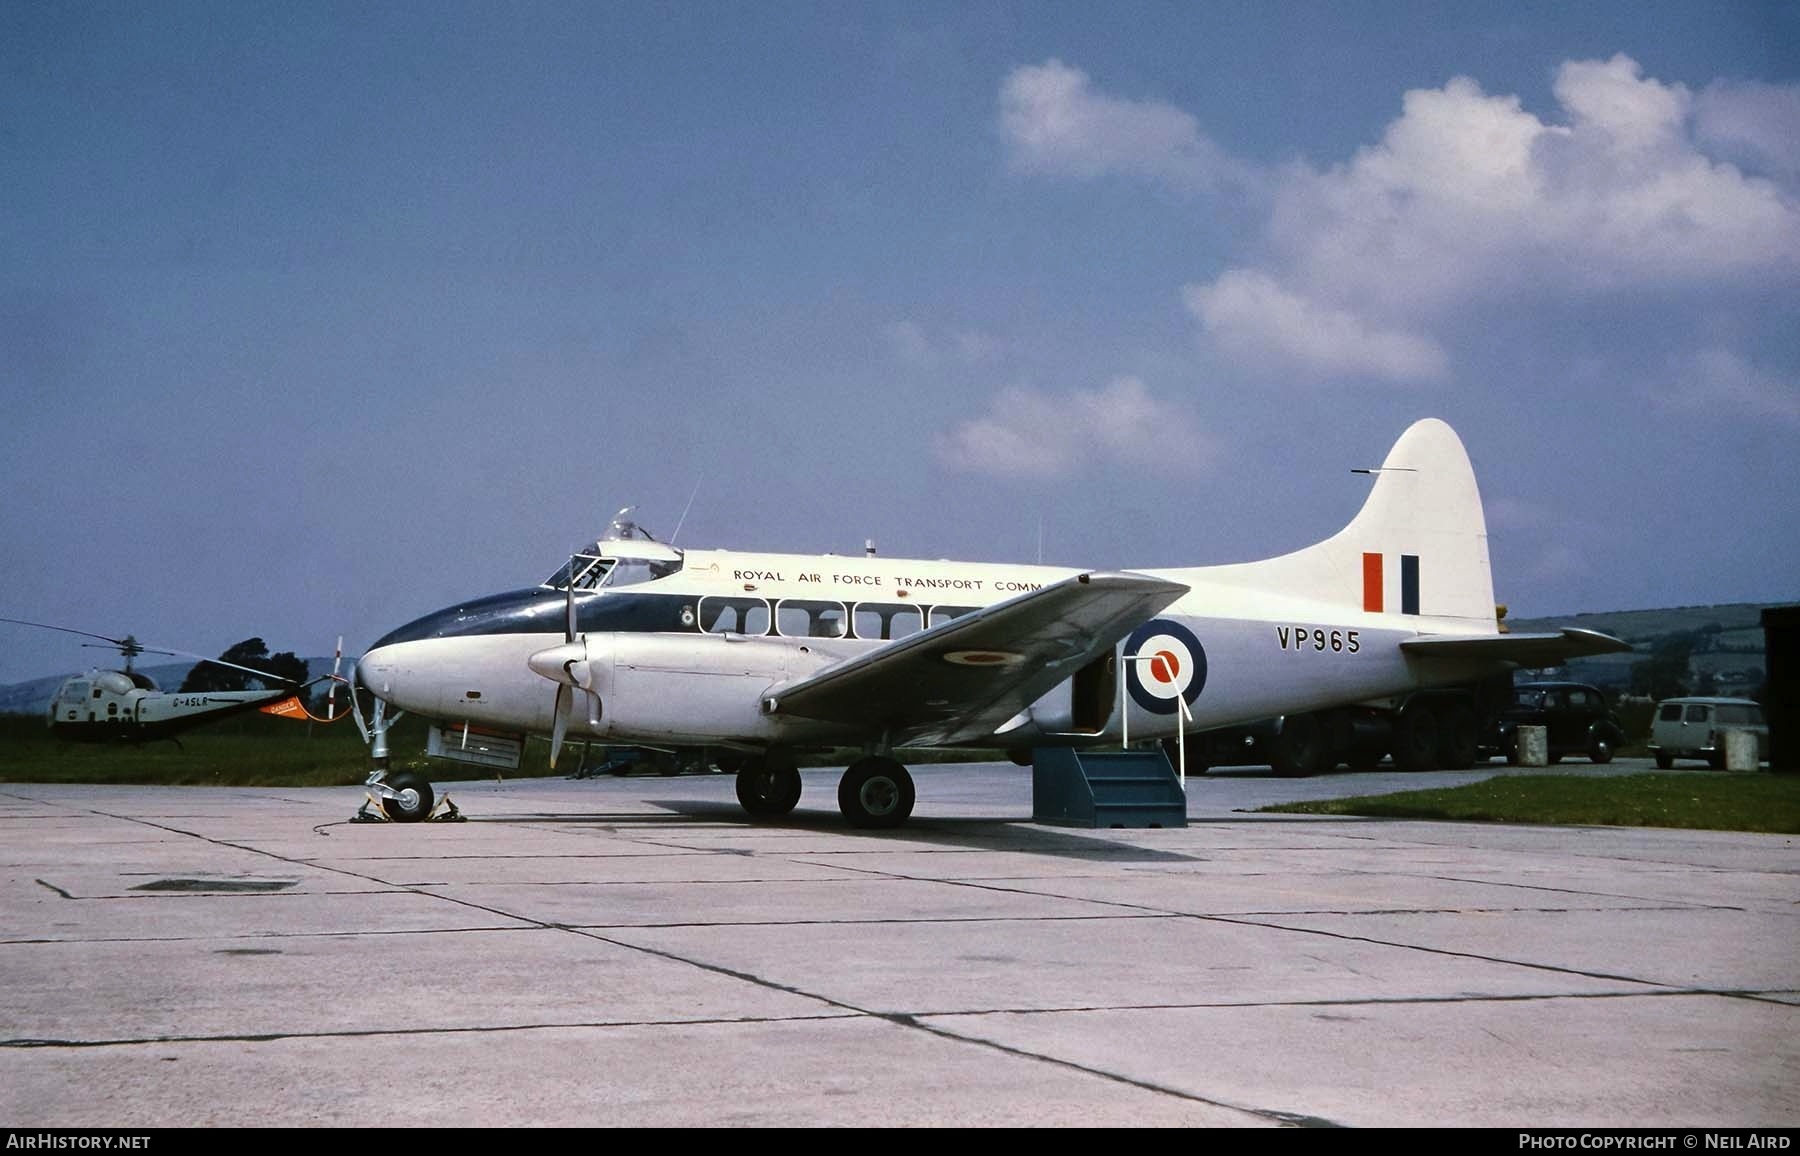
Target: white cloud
1721,384
1757,123
1468,206
921,348
1469,197
1054,122
1469,202
1255,320
1027,433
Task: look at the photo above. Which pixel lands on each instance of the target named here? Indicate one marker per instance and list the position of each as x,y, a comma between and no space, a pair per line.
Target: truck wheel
1600,751
1416,739
1457,738
1299,749
1664,760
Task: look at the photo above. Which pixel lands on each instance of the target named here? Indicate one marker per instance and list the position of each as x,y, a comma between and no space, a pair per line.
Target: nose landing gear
403,798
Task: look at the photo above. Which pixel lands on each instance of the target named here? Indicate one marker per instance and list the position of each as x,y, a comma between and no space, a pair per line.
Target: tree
1665,673
283,667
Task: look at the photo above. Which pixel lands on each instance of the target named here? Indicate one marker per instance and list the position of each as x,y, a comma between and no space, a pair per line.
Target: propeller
567,666
565,693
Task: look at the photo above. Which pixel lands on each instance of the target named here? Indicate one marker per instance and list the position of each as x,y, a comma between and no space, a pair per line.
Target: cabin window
96,692
804,618
734,616
1671,713
1698,714
887,620
112,708
943,614
1735,714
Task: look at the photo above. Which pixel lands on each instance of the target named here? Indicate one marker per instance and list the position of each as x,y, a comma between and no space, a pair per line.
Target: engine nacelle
685,687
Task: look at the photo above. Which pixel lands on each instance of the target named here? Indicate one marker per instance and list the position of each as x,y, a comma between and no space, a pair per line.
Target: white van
1694,728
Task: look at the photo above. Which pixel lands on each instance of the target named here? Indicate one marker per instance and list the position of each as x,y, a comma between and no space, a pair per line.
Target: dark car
1574,715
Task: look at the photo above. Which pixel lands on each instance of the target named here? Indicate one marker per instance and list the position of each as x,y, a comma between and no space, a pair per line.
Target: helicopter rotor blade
130,647
126,641
262,674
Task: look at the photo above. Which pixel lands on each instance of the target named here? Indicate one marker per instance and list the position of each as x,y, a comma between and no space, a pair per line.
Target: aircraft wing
1549,649
961,680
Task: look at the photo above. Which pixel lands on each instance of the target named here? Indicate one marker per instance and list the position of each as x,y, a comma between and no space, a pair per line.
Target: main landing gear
876,791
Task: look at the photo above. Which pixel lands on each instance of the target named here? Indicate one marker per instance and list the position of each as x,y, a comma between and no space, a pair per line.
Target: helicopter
127,706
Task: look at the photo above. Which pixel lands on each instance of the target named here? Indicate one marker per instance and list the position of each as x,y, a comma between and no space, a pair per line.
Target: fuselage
123,706
687,654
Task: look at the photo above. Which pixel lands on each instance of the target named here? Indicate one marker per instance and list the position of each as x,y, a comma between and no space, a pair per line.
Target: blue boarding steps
1075,788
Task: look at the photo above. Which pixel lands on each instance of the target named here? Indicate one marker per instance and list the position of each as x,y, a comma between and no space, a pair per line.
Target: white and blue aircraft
764,655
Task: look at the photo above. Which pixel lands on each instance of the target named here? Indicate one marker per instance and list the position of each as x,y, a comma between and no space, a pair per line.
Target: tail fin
1417,547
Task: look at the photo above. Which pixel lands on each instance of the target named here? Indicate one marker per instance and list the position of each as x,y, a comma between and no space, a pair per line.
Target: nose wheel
408,798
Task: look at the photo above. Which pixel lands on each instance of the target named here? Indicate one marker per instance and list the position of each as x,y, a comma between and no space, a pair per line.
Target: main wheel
1458,738
1299,749
1416,739
415,798
768,786
876,791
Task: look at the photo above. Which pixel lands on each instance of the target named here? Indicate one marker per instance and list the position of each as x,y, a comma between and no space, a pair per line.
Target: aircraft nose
375,670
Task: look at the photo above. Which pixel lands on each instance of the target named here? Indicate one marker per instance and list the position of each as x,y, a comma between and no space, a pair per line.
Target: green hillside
1728,648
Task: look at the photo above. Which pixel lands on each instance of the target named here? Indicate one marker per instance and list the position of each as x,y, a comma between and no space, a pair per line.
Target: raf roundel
1164,661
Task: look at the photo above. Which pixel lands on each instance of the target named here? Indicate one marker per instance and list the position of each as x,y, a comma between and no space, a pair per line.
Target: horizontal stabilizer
1525,649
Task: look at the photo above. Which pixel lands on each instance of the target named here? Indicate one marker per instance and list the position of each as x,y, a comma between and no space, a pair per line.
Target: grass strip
1700,800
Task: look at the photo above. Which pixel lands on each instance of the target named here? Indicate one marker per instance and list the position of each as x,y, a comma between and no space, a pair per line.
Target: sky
315,318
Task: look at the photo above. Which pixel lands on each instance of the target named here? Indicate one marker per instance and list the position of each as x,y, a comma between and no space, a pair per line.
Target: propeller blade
564,702
569,629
